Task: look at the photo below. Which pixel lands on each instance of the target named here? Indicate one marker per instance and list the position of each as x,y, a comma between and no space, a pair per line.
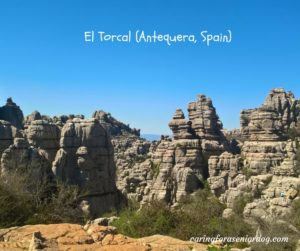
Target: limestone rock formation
273,119
85,158
131,155
112,125
26,160
32,117
44,135
207,126
171,168
180,170
223,170
182,163
266,166
180,127
12,113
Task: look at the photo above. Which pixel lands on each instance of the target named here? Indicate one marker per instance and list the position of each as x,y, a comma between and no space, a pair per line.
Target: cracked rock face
44,135
180,171
26,160
85,158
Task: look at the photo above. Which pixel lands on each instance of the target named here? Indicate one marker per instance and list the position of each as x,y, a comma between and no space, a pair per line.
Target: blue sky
45,64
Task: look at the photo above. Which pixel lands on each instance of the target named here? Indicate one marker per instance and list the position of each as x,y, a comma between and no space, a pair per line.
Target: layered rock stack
207,126
182,162
180,127
267,165
273,119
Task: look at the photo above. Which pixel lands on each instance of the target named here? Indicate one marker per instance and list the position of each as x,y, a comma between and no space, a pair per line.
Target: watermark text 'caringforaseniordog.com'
235,239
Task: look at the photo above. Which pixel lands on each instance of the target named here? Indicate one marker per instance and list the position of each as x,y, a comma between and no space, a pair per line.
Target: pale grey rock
26,160
180,127
44,135
85,158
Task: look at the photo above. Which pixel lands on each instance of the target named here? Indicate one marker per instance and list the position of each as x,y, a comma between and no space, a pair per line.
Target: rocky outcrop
85,158
273,119
32,117
12,113
45,136
113,126
180,171
207,126
93,237
131,156
171,168
182,163
223,170
266,167
25,160
180,127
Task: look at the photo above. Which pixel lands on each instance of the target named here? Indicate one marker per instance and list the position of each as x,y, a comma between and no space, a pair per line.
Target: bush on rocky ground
197,215
276,229
25,201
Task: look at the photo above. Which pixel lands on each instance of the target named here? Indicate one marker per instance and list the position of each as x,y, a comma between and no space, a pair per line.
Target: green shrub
155,169
155,218
27,201
274,229
15,204
196,215
240,202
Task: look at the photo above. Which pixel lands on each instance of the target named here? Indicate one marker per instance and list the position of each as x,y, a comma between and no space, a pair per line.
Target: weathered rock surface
113,126
85,158
131,156
180,171
207,126
45,136
266,167
26,160
32,117
272,120
180,127
71,237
